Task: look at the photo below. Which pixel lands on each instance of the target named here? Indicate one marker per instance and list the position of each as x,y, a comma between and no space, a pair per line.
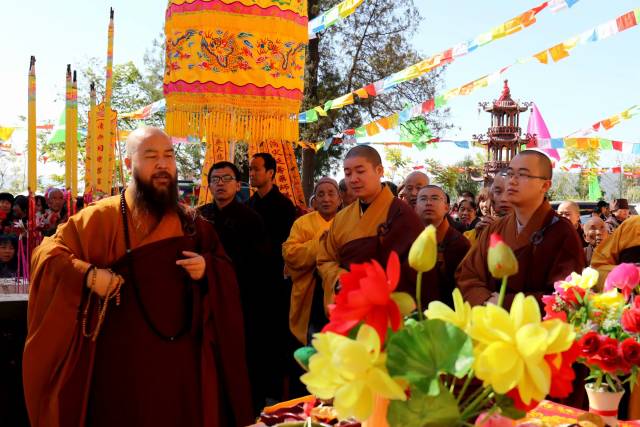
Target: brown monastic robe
548,249
388,224
69,379
438,284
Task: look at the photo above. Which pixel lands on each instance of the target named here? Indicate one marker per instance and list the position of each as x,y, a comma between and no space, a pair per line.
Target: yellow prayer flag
372,129
394,120
5,133
362,93
342,101
321,111
570,142
558,52
543,57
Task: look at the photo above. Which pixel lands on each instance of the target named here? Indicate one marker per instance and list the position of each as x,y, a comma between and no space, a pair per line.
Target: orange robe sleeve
58,269
328,265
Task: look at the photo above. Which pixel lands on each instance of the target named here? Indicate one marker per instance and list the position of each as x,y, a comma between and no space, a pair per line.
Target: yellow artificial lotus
459,316
500,258
424,251
586,280
352,372
510,347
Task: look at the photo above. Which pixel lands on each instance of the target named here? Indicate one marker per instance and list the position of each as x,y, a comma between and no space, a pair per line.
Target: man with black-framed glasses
547,248
245,240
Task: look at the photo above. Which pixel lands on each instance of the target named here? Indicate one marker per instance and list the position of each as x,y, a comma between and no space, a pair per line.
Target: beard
156,201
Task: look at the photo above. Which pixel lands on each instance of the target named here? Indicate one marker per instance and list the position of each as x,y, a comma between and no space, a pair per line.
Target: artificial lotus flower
587,280
365,296
500,258
493,420
460,316
405,302
351,372
625,277
562,373
631,317
609,300
424,250
510,347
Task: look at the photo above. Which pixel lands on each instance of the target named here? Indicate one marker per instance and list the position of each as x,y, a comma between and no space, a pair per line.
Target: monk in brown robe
547,246
439,283
369,228
134,314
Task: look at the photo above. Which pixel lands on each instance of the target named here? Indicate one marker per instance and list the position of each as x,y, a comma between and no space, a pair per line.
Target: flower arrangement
607,324
441,367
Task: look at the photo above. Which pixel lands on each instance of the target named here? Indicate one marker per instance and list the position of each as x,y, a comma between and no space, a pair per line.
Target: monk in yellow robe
134,314
369,228
547,246
307,312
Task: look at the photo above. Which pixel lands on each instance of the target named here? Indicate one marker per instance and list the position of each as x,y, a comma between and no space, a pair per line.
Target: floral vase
604,403
379,416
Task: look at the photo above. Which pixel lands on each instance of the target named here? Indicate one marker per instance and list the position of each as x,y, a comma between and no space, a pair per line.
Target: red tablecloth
555,414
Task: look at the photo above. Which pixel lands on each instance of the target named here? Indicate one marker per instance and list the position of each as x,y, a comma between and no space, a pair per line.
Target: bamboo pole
107,154
32,180
67,130
91,146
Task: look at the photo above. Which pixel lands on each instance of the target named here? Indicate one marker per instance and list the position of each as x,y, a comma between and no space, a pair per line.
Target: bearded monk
134,314
369,228
547,246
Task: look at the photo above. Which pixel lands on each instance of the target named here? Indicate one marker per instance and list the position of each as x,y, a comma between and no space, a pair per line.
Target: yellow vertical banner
67,130
73,143
32,180
104,151
90,147
108,126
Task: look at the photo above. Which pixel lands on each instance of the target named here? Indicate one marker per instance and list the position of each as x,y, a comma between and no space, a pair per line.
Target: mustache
166,175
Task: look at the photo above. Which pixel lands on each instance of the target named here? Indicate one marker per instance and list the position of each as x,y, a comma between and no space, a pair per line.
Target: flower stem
419,295
478,402
465,386
503,290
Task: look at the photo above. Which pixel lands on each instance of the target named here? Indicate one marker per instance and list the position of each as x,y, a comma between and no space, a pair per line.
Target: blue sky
597,80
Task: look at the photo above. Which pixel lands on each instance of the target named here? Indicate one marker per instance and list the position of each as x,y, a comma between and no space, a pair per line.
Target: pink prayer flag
537,125
551,152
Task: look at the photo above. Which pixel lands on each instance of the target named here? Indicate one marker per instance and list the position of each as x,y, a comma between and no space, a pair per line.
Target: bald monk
570,210
134,314
500,207
370,228
307,315
547,247
412,185
346,193
438,284
595,232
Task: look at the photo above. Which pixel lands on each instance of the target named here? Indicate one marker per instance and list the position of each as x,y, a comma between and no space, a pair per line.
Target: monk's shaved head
594,222
142,134
543,161
367,152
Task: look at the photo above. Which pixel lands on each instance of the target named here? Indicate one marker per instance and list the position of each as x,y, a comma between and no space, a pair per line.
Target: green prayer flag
439,101
594,188
312,116
605,144
361,132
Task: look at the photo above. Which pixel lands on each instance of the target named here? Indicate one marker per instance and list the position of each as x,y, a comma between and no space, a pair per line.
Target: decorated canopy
235,73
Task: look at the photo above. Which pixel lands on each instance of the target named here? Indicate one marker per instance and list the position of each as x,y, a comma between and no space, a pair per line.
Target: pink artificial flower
624,277
494,420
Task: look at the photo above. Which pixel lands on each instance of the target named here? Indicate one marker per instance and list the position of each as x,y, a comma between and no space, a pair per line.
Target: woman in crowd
8,255
467,214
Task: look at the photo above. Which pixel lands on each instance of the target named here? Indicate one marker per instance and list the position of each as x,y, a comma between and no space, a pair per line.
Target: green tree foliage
465,175
587,158
369,45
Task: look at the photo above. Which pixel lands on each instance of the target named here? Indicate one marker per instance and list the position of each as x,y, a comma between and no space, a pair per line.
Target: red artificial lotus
589,344
562,376
631,317
365,296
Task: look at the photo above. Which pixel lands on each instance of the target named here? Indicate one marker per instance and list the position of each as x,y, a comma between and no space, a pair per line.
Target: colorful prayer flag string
419,69
375,127
332,16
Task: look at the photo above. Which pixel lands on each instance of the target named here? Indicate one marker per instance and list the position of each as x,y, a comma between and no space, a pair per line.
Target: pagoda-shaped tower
504,137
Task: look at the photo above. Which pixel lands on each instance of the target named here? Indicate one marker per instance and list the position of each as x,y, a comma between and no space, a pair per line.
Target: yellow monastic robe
300,252
622,246
394,232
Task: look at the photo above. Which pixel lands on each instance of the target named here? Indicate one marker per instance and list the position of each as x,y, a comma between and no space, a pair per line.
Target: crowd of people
262,275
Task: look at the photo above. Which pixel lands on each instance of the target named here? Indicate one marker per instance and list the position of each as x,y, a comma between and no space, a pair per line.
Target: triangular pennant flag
537,125
59,131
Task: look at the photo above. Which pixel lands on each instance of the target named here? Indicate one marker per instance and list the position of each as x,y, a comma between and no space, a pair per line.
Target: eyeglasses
223,178
519,175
